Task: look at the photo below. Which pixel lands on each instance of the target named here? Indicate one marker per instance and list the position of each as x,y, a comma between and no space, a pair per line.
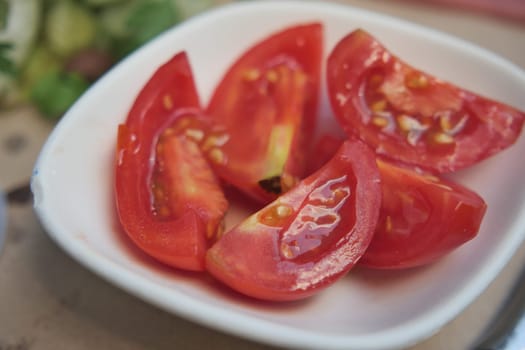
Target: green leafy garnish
146,20
6,64
150,19
56,91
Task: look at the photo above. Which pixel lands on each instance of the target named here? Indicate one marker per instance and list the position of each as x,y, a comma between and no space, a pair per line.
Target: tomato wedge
422,219
267,101
168,199
308,237
410,116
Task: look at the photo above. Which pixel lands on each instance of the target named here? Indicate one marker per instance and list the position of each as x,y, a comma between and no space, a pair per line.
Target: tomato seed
217,156
443,138
164,211
408,123
275,214
287,182
251,74
218,140
195,134
444,122
379,106
283,210
416,80
287,252
181,124
168,132
448,127
167,102
375,80
380,121
272,76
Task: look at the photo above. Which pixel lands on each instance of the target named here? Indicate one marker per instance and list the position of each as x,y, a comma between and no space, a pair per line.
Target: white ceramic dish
72,184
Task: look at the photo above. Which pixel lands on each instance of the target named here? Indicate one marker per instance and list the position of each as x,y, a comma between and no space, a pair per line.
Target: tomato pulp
307,238
422,219
409,116
267,102
168,199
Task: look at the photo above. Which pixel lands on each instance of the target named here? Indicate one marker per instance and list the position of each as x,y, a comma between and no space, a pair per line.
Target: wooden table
48,301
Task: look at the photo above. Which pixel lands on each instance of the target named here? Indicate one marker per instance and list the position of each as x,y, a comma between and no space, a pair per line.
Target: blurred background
52,50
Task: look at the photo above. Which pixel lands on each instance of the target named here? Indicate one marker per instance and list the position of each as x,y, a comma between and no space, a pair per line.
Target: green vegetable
113,19
150,19
41,40
20,20
56,91
69,28
41,61
145,20
7,66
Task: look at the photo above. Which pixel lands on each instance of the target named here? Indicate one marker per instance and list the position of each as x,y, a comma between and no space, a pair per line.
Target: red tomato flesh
307,238
324,150
267,101
168,199
422,219
410,116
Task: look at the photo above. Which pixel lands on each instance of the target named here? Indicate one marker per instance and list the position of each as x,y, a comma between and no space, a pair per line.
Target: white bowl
72,184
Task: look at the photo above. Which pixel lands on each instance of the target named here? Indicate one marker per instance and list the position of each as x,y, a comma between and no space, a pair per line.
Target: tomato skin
409,116
301,242
268,102
422,218
324,149
149,197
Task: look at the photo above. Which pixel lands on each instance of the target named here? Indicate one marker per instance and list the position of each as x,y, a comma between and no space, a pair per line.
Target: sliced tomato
267,101
410,116
308,237
324,150
169,201
422,219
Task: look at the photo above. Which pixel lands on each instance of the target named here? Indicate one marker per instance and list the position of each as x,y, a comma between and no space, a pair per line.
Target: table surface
49,301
